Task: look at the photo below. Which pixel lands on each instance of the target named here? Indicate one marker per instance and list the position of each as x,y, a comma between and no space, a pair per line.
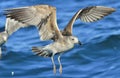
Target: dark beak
79,43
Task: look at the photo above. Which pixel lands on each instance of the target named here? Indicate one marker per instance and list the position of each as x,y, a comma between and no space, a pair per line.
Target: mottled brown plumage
44,18
41,16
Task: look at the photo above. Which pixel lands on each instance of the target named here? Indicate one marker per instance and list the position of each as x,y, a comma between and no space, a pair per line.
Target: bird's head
75,40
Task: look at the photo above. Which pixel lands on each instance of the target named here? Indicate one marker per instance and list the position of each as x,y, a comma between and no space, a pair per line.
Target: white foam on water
12,73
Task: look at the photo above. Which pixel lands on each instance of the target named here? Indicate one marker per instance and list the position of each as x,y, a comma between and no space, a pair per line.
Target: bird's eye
72,39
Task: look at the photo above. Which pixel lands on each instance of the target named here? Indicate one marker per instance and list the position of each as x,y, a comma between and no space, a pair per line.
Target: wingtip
108,8
113,9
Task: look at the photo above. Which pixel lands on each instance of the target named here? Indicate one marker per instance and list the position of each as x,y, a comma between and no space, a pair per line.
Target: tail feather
42,52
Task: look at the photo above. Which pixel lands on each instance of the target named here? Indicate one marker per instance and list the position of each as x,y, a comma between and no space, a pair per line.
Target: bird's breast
62,47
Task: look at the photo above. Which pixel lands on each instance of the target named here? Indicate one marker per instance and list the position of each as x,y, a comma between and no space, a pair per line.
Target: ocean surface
98,57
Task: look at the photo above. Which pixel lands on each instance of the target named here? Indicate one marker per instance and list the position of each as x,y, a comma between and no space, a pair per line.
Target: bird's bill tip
79,43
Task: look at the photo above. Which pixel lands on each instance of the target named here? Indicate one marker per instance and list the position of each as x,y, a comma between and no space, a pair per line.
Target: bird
43,17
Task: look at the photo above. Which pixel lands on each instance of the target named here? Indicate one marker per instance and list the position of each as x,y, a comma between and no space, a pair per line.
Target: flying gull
44,18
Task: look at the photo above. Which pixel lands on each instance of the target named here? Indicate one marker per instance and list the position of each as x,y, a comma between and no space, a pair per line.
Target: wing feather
88,14
12,26
42,16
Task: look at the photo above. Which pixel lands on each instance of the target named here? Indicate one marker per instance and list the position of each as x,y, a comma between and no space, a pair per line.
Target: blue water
98,57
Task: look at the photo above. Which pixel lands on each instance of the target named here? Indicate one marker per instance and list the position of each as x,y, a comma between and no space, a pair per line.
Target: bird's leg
60,68
54,66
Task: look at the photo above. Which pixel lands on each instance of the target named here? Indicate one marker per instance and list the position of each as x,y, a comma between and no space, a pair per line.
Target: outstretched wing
13,25
42,16
88,14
